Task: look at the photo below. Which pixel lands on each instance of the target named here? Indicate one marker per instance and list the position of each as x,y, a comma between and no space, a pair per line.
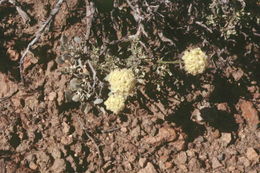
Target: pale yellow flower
115,103
121,81
195,61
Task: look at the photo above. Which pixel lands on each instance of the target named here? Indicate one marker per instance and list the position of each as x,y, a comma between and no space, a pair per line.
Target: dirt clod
251,154
249,113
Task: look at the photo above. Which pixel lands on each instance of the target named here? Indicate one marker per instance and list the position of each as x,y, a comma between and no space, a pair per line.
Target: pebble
237,75
216,134
148,169
59,165
52,96
33,166
179,145
190,153
123,129
131,158
226,138
251,154
163,158
168,165
221,156
142,162
244,161
249,113
194,164
223,107
183,168
165,134
128,166
182,158
66,128
66,140
136,132
231,168
215,163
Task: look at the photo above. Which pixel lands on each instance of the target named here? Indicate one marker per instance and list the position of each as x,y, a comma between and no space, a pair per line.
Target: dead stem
38,34
100,155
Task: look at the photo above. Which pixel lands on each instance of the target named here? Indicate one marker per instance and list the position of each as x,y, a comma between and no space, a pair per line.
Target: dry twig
22,13
139,19
204,26
8,97
89,16
101,160
38,34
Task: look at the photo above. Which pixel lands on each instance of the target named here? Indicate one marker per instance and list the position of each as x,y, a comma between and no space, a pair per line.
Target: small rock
168,165
71,161
136,132
252,89
221,156
66,128
223,107
66,140
182,158
128,166
178,145
13,54
52,96
244,161
58,165
8,87
166,134
183,168
237,75
135,122
249,113
148,169
190,153
131,158
194,165
124,129
203,156
33,166
226,138
196,117
216,134
142,162
251,154
163,158
231,168
55,152
215,163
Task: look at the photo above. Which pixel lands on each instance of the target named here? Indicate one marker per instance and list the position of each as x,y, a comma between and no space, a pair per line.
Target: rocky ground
206,123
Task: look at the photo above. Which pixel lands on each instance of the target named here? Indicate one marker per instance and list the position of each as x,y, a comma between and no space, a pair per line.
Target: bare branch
101,160
22,13
38,34
89,16
204,26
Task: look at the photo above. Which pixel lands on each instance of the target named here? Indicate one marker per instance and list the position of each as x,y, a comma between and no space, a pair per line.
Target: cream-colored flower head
121,81
115,103
195,61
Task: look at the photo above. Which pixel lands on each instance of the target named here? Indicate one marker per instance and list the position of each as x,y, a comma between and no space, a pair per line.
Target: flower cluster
122,83
115,103
195,61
